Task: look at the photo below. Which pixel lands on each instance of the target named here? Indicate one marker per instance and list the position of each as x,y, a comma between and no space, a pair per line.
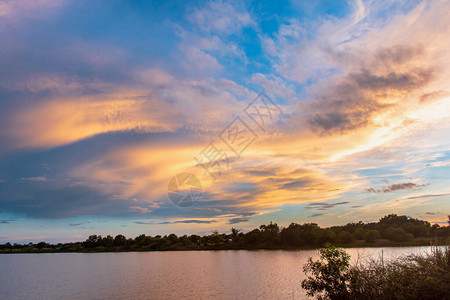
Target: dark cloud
296,184
316,215
241,187
371,189
146,223
194,222
395,187
400,186
60,195
351,103
428,196
392,81
330,121
177,222
261,172
430,213
238,220
397,55
433,96
323,205
247,214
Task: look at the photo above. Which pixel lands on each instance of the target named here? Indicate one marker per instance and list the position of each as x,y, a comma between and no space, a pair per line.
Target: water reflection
240,274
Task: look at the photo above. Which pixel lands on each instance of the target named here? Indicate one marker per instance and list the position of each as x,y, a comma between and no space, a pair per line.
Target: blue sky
102,103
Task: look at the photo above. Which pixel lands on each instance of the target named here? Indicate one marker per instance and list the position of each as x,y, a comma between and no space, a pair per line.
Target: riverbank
359,244
391,231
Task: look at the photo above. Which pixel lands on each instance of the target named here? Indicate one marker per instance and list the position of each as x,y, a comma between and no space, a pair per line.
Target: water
241,274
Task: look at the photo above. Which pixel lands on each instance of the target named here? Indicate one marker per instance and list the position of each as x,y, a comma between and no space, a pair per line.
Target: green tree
173,239
396,234
270,233
345,237
329,276
326,236
120,240
359,234
371,235
234,234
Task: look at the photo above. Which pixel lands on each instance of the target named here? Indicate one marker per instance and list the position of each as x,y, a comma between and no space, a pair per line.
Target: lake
232,274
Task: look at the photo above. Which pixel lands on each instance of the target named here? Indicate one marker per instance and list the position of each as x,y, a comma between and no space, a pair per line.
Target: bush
329,275
410,277
425,276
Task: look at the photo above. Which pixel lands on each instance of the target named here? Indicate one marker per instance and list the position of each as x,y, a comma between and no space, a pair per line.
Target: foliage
425,276
398,229
329,276
371,235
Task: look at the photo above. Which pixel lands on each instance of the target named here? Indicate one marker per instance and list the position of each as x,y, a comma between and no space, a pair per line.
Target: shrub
425,276
329,276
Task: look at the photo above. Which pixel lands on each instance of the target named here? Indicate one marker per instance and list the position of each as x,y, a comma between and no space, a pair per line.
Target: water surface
240,274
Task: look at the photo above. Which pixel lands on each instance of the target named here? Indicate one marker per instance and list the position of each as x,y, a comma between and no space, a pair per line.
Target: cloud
324,206
316,215
221,18
114,123
429,196
434,96
401,186
139,209
238,220
396,187
177,222
359,97
14,10
39,178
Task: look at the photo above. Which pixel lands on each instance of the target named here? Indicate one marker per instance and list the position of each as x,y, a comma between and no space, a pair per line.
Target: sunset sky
103,102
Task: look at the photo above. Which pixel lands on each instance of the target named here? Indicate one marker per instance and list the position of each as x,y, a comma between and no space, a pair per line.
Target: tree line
391,229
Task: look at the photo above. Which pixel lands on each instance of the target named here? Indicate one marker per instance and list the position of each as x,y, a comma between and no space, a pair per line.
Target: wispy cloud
95,126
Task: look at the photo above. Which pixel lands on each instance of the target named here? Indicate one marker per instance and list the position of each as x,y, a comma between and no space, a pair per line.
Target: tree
92,241
173,239
234,234
291,235
396,234
359,234
42,245
120,240
371,235
107,241
326,236
215,238
345,237
270,233
330,275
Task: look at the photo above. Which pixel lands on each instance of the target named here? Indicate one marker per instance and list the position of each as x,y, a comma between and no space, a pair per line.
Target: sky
286,111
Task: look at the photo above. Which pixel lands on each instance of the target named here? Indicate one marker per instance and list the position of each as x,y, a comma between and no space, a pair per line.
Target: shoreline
339,245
